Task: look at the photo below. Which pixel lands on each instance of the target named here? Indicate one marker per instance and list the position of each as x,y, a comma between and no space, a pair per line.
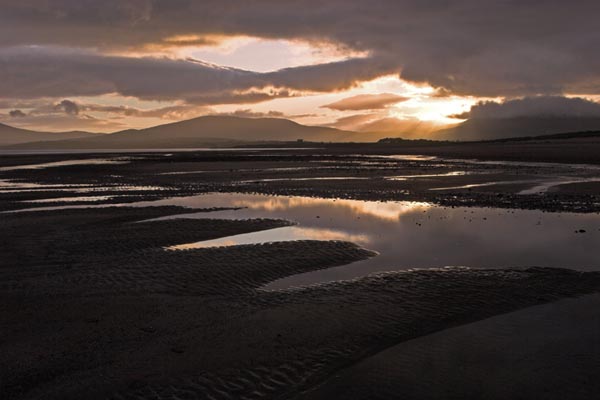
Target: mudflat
98,304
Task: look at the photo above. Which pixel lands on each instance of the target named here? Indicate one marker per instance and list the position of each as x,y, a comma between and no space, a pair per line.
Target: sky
404,66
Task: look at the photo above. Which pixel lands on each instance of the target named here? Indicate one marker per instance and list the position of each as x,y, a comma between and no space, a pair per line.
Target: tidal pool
408,234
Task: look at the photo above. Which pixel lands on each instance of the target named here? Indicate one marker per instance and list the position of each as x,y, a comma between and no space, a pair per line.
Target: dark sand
94,307
549,351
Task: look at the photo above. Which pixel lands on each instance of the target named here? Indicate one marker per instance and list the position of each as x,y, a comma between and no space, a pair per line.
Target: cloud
30,72
539,106
175,112
366,102
17,114
73,108
481,48
248,113
64,122
69,114
68,107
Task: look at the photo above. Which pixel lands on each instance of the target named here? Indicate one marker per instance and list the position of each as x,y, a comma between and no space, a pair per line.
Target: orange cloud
366,102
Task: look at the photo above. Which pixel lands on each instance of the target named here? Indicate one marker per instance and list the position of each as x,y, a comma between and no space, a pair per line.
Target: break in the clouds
380,123
366,102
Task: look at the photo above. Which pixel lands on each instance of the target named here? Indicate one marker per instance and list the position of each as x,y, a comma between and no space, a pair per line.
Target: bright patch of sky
263,55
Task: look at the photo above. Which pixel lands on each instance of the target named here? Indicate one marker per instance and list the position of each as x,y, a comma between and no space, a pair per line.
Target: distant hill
503,128
223,131
208,131
12,136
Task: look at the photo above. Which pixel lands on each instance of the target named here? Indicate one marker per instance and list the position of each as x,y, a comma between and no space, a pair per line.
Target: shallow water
89,161
546,186
151,150
8,186
409,234
536,186
72,199
337,178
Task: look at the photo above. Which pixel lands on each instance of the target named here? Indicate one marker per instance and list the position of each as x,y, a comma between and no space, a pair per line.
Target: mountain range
220,131
198,132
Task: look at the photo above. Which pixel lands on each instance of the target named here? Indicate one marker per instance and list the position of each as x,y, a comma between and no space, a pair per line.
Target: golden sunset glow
138,66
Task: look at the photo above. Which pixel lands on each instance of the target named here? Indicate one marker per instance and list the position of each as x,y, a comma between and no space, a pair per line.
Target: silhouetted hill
209,131
222,131
10,135
502,128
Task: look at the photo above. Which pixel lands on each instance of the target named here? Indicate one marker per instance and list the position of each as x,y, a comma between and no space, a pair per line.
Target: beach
297,274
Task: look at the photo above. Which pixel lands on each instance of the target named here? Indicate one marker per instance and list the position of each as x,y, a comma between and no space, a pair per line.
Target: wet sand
326,172
549,351
96,306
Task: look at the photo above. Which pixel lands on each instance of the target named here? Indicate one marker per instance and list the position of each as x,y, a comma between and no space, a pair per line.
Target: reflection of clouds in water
407,234
413,235
328,234
382,210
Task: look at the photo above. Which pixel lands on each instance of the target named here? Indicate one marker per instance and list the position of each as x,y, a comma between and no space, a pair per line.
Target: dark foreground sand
549,351
95,308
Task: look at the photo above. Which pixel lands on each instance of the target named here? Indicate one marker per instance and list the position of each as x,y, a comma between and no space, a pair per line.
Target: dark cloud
479,47
68,107
441,92
17,114
539,106
72,108
52,72
366,102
